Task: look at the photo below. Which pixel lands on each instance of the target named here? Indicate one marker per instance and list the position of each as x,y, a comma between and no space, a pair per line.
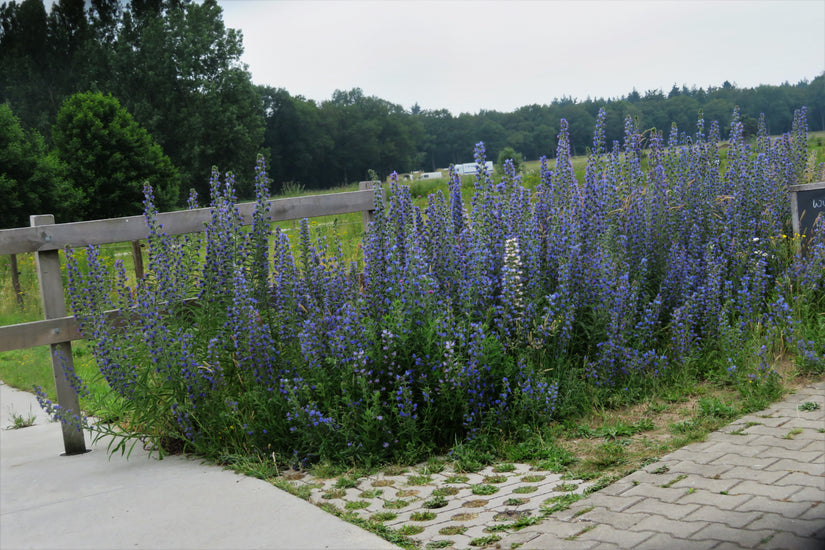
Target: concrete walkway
757,483
92,502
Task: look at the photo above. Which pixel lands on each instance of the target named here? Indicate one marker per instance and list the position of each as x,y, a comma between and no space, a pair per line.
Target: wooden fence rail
46,238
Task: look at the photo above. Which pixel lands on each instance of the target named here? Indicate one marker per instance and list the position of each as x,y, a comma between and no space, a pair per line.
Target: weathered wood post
15,280
366,215
54,305
137,258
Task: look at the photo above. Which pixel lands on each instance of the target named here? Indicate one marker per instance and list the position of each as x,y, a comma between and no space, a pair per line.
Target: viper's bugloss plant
468,319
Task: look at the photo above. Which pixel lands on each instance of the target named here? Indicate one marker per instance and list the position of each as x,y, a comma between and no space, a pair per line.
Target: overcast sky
500,55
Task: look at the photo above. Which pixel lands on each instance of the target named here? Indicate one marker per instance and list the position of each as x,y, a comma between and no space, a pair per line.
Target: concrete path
757,483
93,502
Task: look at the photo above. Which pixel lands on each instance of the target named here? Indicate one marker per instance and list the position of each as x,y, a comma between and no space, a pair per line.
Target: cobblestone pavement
757,483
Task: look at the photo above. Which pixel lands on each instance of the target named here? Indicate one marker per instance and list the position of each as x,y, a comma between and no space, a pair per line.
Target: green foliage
31,179
109,157
508,153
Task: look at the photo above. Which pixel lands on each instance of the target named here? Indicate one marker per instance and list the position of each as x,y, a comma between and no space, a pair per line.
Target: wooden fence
46,239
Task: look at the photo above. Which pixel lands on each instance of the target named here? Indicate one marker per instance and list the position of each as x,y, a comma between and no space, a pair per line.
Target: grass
19,421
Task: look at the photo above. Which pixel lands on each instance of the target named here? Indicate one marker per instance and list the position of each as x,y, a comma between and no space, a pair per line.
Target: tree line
101,95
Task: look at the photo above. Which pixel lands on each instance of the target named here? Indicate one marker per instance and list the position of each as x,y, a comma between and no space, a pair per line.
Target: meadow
475,316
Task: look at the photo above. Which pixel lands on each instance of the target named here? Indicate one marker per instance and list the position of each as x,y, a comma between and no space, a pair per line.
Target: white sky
500,55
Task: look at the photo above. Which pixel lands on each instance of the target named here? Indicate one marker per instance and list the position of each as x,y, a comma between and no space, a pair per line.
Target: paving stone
602,515
729,517
723,533
548,541
679,528
663,494
707,470
618,487
701,457
736,447
753,462
775,522
787,465
609,534
776,492
815,512
776,421
707,484
815,445
662,541
561,529
727,545
521,539
808,494
672,511
776,442
766,476
616,504
769,506
789,541
801,478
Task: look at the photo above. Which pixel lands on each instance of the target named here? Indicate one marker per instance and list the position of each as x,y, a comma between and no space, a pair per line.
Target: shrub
471,320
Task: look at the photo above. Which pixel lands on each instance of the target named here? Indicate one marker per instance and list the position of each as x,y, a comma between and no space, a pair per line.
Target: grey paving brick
799,455
616,504
776,492
663,541
770,506
788,465
652,479
622,520
556,527
775,522
815,512
707,484
789,541
815,445
801,478
621,538
662,494
777,430
731,501
679,528
672,511
761,421
735,447
723,533
808,494
745,473
730,518
754,462
774,443
707,470
521,538
617,487
700,457
550,541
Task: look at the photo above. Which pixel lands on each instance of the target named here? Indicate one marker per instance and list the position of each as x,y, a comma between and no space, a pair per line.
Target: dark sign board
807,208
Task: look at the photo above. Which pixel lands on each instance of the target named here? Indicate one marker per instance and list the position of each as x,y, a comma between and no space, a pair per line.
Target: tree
31,178
177,68
508,153
109,157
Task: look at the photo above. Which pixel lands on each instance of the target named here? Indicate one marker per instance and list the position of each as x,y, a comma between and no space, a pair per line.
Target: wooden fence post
366,215
54,305
137,258
15,280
